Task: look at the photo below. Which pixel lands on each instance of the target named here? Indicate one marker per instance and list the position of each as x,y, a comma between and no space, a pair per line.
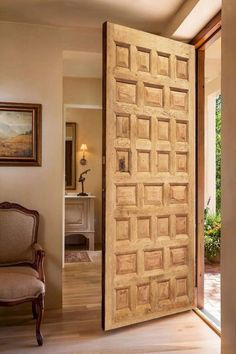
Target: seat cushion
19,283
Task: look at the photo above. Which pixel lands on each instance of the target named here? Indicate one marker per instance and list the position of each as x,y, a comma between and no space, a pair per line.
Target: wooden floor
77,329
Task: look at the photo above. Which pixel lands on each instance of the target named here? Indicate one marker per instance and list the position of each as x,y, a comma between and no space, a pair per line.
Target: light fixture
83,148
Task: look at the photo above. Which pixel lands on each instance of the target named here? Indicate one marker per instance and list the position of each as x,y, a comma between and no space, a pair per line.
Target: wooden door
149,212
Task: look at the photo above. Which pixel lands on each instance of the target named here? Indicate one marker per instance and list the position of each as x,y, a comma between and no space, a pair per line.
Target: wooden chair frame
39,254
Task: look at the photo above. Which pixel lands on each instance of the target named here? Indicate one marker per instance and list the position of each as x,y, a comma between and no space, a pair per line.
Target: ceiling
148,15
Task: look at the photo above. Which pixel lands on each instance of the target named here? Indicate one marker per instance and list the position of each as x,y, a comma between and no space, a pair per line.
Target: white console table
79,217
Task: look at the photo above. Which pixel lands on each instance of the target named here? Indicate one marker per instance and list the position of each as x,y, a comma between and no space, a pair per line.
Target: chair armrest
39,260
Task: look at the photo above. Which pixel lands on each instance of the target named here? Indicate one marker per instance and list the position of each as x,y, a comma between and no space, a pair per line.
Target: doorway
212,198
208,54
82,92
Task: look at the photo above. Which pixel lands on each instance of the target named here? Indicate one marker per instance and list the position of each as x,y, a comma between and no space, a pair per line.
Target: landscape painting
20,134
16,134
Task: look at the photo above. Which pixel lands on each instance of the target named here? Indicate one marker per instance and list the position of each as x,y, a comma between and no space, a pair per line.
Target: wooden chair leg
39,312
34,310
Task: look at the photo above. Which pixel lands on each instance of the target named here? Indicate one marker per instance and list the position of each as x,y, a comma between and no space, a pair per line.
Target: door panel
149,177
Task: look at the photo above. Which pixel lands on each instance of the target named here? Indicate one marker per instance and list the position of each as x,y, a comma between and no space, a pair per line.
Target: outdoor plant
218,154
212,221
212,232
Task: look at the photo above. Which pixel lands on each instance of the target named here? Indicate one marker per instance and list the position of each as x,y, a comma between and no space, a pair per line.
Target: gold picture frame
20,134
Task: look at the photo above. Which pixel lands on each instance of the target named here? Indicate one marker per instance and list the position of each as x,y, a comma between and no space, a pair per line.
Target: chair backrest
18,232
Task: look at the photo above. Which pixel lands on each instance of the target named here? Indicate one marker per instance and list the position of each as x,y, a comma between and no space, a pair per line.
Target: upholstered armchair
21,261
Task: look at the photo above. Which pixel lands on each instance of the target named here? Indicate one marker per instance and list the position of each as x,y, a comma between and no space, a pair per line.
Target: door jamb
104,86
201,41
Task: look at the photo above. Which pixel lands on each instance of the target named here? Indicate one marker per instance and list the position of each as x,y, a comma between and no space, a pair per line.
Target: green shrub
212,234
218,154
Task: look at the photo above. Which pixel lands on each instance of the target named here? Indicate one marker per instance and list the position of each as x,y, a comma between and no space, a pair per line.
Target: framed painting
20,134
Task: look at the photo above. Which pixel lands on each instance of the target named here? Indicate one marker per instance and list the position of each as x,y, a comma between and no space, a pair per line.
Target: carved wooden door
148,176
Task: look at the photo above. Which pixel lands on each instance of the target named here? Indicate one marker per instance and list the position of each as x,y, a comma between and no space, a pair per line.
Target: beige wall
31,71
82,91
89,131
228,260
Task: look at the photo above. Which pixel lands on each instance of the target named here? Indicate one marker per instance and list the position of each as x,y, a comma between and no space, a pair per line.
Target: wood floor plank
77,328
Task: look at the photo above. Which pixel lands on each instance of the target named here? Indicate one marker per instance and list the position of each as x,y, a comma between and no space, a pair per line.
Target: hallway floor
77,328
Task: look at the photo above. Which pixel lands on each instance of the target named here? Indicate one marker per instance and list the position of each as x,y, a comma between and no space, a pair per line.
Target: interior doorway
82,92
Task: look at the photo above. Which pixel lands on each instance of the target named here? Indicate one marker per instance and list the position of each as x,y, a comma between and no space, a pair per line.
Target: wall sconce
83,148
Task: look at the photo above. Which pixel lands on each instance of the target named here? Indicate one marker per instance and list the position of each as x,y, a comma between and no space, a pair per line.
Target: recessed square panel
181,225
74,214
178,256
143,294
123,55
163,290
122,126
122,229
126,195
181,131
153,259
163,161
143,59
179,99
163,226
144,128
144,227
163,129
178,193
122,160
143,161
182,68
181,160
163,64
153,95
153,194
122,298
126,91
126,263
181,287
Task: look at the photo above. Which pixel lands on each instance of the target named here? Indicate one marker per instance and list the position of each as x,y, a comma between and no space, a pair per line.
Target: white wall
31,71
228,248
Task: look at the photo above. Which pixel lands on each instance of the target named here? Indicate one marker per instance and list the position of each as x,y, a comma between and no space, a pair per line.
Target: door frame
201,41
104,115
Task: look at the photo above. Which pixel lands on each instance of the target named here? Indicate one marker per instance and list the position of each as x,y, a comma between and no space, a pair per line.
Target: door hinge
104,160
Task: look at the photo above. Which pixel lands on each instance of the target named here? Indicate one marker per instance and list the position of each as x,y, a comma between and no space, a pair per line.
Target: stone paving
212,291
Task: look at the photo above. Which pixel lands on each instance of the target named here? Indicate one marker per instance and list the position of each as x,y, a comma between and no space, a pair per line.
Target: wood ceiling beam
179,17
